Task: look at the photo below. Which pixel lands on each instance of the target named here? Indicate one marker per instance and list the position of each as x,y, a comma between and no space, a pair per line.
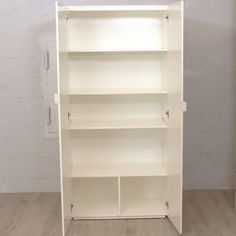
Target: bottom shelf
111,197
143,207
131,208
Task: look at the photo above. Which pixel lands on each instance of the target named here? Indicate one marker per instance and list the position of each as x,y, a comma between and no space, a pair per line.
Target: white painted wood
174,161
116,91
153,207
119,197
94,209
121,71
115,8
64,137
142,196
117,110
78,124
95,197
102,31
117,50
116,149
118,169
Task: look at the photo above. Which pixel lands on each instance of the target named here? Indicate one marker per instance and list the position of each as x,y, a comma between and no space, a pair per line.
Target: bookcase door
64,133
175,115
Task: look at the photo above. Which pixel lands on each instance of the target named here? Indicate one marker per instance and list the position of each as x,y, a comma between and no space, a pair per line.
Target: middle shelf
79,124
118,169
116,91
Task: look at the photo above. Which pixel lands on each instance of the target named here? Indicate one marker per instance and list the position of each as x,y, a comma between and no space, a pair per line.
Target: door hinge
68,115
46,60
184,106
168,114
167,205
71,207
56,98
66,18
49,115
167,17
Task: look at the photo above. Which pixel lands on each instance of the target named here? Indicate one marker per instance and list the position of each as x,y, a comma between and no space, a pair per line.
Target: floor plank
30,214
206,213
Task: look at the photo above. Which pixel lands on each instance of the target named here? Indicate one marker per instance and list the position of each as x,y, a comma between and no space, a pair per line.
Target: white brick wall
29,162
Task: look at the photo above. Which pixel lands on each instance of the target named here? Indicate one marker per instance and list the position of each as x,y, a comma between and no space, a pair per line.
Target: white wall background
210,88
29,161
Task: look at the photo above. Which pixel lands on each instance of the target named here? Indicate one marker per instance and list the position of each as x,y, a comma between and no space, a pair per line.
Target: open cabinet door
64,134
175,115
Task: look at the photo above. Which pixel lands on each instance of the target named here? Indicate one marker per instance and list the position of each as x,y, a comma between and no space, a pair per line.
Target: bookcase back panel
143,187
95,197
118,146
115,30
118,107
116,70
95,188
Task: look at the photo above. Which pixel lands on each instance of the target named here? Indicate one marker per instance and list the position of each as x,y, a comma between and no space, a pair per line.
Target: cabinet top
114,8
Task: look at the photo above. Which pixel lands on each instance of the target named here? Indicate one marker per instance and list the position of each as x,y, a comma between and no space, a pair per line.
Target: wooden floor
206,213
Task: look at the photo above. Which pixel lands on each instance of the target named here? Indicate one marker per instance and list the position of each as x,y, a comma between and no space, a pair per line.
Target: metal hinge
46,60
167,205
68,115
167,17
66,18
168,114
71,207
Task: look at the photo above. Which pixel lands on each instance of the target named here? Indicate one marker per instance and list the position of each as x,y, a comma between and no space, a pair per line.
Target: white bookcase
120,98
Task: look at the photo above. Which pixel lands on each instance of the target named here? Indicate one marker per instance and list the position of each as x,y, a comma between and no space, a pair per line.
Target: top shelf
116,51
113,8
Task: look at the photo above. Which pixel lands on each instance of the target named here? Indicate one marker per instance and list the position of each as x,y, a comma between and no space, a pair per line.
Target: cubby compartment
115,30
116,73
94,197
143,196
117,112
137,152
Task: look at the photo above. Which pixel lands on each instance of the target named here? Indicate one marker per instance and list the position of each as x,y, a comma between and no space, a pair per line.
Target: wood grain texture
30,214
206,213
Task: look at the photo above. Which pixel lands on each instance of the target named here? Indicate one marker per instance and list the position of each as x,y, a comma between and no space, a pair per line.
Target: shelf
118,169
113,8
116,91
159,51
77,124
143,207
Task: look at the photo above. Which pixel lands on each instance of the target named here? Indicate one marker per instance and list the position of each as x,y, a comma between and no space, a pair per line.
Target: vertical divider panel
119,197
